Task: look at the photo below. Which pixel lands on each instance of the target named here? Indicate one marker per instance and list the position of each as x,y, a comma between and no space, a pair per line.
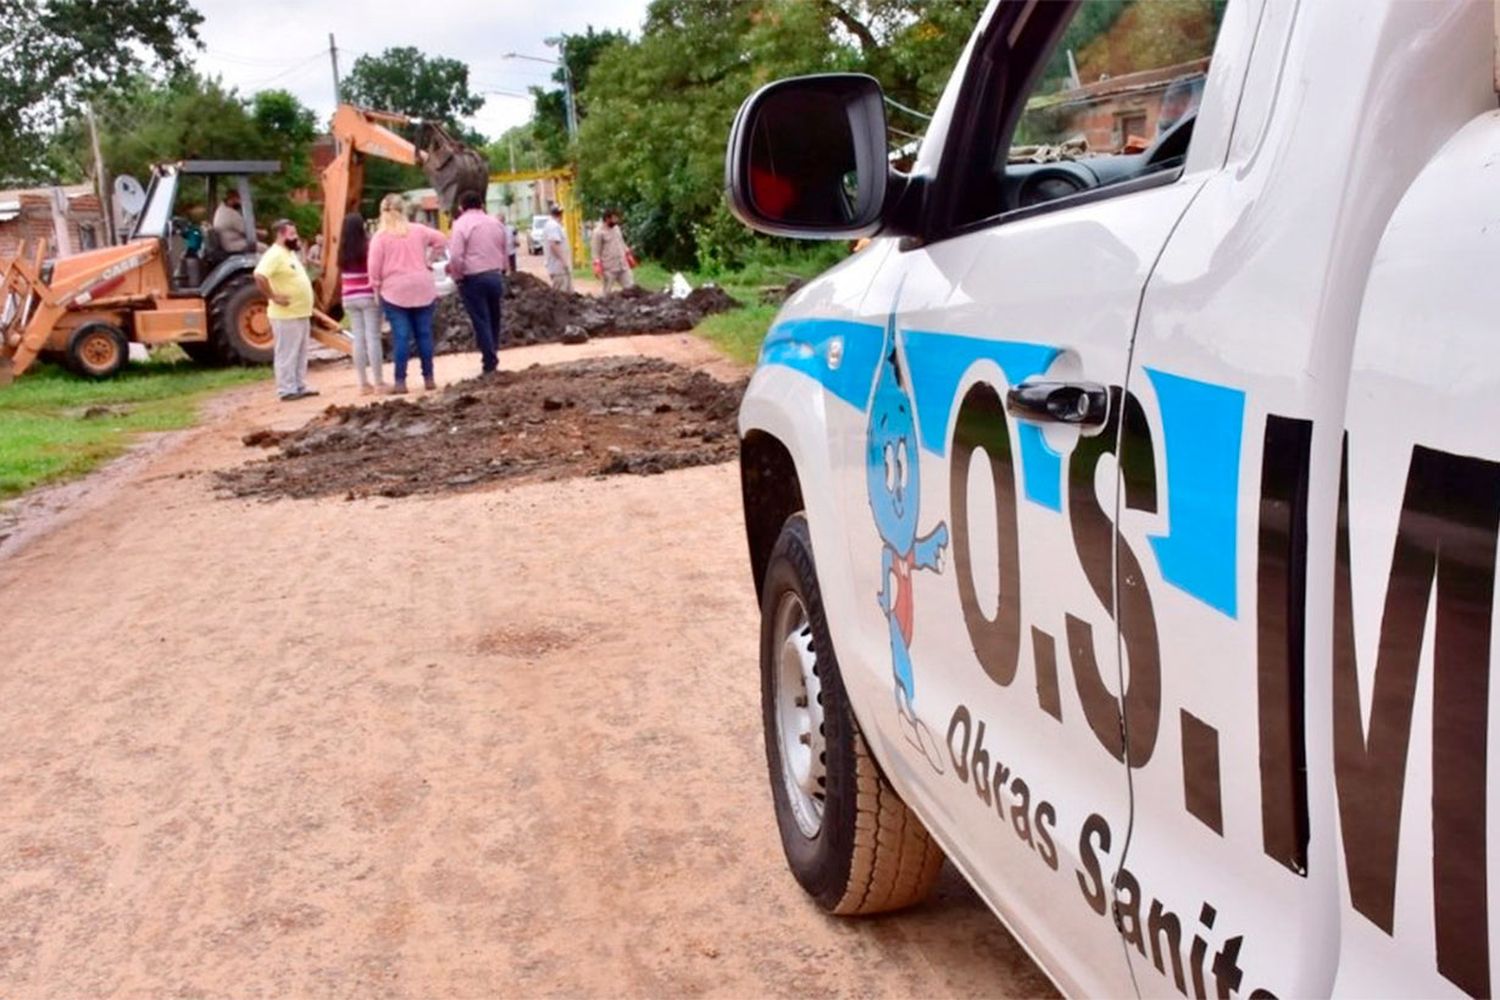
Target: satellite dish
129,201
129,194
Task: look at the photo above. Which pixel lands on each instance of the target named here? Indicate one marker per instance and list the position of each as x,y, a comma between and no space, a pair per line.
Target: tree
544,141
660,108
408,82
550,116
55,53
193,117
286,130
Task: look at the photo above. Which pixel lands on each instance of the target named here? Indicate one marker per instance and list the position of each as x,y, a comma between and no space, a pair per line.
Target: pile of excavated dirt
534,312
600,416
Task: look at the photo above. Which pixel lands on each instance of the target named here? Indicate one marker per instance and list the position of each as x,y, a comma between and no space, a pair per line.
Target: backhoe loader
171,282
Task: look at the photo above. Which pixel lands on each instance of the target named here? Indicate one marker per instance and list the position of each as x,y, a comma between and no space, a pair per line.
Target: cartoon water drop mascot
895,487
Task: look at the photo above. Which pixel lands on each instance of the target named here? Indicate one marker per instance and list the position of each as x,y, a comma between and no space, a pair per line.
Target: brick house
26,221
1112,112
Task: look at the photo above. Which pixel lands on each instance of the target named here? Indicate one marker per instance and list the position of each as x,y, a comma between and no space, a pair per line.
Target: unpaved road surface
497,742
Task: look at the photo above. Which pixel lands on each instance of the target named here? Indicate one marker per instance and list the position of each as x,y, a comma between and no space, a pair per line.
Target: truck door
986,569
1273,852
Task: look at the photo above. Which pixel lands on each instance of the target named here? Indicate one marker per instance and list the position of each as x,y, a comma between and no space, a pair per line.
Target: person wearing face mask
288,291
229,224
612,258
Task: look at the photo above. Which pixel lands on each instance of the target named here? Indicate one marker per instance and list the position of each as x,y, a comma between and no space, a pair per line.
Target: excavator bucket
452,167
18,299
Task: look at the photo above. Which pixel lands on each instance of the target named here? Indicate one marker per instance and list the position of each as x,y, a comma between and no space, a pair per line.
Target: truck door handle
1084,404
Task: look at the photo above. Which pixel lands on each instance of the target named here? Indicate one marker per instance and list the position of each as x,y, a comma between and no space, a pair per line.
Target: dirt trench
596,416
533,312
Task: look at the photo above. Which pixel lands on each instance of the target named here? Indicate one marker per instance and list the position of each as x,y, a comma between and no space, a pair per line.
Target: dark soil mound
535,312
599,416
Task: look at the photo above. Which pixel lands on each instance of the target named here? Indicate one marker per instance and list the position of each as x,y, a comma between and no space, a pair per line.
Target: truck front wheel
851,842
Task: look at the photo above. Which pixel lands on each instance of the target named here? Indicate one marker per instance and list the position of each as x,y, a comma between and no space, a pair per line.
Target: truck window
1114,101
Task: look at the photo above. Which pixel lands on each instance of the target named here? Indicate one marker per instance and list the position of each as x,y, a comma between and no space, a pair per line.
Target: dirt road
501,742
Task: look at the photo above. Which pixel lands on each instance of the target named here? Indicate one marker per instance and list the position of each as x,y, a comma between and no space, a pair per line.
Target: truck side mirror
807,158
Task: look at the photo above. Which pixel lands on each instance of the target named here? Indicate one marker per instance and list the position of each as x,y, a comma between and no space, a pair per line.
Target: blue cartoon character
895,487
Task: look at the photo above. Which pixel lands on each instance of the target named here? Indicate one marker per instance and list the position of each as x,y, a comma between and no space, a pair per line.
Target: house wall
32,225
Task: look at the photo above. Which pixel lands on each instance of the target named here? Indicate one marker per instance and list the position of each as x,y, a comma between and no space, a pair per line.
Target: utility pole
568,92
101,179
333,57
568,101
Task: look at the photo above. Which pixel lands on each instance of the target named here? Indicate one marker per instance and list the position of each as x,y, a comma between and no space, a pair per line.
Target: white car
1124,517
537,239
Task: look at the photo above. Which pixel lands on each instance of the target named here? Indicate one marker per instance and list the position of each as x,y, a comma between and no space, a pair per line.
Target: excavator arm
450,166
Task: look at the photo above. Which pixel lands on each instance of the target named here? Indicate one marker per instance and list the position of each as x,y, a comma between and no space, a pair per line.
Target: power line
247,60
315,57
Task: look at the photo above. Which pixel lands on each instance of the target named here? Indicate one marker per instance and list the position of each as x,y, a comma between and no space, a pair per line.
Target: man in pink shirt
478,254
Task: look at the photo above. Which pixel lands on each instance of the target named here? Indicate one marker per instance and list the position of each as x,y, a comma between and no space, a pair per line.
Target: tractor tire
97,350
203,352
240,330
851,842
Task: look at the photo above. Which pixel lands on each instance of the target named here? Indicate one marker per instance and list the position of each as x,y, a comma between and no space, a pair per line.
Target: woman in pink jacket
402,280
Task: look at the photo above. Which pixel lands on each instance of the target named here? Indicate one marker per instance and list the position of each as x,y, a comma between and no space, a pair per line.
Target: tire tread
896,862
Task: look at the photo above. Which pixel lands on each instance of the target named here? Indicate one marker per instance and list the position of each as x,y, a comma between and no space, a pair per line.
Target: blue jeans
481,293
405,324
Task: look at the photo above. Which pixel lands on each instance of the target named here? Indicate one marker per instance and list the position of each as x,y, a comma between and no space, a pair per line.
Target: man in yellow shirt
282,278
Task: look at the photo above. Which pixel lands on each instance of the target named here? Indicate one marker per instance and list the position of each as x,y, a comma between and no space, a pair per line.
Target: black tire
239,333
870,854
203,352
97,350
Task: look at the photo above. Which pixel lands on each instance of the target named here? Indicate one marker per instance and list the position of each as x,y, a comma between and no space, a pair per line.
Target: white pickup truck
1124,517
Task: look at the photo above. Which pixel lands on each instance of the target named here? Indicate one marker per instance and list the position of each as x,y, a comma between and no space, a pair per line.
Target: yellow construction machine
172,282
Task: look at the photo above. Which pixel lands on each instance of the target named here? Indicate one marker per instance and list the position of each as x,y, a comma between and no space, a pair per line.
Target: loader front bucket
452,168
18,301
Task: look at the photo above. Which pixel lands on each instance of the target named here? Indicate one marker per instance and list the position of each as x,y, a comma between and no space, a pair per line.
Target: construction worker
284,282
478,254
229,224
559,256
512,236
612,258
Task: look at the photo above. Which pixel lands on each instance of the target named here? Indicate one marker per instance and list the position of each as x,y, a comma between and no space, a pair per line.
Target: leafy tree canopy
543,141
409,82
195,117
55,53
660,107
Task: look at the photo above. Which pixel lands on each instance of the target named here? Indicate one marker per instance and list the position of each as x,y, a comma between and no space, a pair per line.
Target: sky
264,44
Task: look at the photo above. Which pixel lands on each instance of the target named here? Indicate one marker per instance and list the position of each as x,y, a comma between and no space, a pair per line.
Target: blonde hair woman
402,279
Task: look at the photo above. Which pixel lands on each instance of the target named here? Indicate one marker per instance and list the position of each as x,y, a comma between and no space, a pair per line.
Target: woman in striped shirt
360,304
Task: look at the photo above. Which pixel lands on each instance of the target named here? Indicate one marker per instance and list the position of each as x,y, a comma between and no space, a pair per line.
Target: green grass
47,435
737,333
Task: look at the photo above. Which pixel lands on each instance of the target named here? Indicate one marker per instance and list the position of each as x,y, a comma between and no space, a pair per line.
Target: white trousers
291,354
364,327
